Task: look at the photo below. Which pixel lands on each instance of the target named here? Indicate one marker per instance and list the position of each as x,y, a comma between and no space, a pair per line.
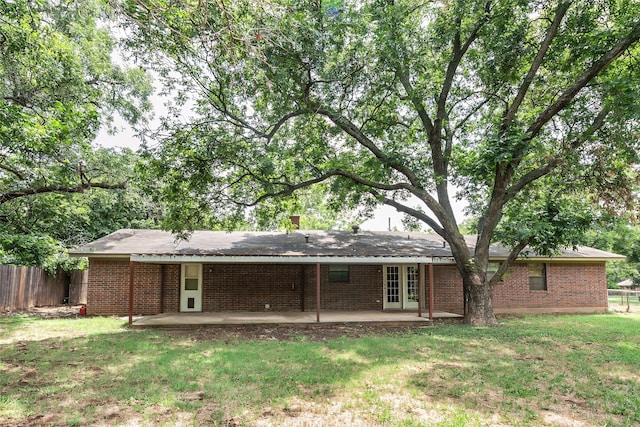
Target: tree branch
415,213
569,94
504,171
427,123
12,195
291,188
355,132
14,171
511,258
459,50
533,175
535,65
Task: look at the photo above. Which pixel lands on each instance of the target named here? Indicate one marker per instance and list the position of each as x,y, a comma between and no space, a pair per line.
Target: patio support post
431,292
131,275
302,285
420,288
318,292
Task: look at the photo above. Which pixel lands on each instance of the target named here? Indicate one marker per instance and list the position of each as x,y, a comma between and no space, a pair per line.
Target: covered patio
274,318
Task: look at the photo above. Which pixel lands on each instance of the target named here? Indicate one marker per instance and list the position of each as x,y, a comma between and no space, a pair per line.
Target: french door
401,286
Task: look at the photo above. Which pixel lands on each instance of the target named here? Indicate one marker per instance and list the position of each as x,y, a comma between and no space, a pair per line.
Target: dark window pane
190,284
537,283
537,276
338,273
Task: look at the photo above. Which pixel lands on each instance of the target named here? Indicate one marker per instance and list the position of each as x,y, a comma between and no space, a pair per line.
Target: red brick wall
447,291
363,292
293,287
108,290
569,286
229,287
170,288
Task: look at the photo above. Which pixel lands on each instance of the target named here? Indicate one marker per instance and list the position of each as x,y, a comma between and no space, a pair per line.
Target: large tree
530,108
38,230
59,84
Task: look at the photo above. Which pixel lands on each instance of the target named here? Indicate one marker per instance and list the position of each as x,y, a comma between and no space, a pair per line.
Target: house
150,272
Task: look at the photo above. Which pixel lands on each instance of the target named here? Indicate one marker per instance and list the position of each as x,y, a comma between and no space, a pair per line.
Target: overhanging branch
598,123
290,188
569,94
356,133
415,213
511,258
13,171
535,65
12,195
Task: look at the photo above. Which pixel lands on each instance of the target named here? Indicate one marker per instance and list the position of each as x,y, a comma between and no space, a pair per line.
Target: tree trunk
479,304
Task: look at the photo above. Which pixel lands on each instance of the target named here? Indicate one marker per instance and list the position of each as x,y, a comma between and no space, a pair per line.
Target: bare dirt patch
49,312
288,332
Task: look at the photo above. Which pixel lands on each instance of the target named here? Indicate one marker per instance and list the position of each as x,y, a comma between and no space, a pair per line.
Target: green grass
553,370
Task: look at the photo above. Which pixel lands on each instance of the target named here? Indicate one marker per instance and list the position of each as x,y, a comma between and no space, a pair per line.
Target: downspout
431,292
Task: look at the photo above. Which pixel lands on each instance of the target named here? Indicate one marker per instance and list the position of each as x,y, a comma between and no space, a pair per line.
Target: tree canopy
619,237
59,84
529,108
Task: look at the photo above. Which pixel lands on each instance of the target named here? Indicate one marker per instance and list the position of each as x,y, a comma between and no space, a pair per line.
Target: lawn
542,370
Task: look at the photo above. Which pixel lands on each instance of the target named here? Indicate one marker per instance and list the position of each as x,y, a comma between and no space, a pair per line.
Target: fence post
21,289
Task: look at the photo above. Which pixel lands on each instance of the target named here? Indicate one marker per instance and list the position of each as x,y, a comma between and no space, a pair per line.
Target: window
338,273
191,277
537,276
492,268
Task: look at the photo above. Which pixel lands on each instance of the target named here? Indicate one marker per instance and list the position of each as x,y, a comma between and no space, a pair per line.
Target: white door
411,287
392,286
191,287
401,286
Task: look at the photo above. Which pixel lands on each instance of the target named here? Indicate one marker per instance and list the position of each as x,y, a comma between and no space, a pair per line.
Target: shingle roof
300,243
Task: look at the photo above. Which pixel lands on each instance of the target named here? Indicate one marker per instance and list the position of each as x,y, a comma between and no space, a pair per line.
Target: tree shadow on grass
515,373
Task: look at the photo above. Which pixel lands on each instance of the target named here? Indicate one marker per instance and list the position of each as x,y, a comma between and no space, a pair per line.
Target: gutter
243,259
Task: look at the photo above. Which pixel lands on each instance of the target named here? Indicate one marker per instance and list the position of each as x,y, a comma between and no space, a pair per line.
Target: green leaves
36,250
529,108
58,86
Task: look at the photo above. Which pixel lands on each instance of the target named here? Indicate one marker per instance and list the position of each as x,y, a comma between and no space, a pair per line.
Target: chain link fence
622,300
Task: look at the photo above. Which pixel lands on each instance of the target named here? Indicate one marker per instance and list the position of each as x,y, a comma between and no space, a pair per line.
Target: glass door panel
392,287
412,286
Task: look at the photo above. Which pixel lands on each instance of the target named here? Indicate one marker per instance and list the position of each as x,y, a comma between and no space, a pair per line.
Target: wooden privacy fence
25,287
78,287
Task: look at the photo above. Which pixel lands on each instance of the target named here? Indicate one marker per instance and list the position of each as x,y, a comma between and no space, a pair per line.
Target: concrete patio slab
253,318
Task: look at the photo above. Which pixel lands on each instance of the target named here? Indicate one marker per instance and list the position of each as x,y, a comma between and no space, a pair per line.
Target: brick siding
447,290
248,287
171,288
108,289
229,287
569,286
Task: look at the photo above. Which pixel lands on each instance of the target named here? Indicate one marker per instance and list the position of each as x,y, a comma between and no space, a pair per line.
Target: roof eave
98,255
288,259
